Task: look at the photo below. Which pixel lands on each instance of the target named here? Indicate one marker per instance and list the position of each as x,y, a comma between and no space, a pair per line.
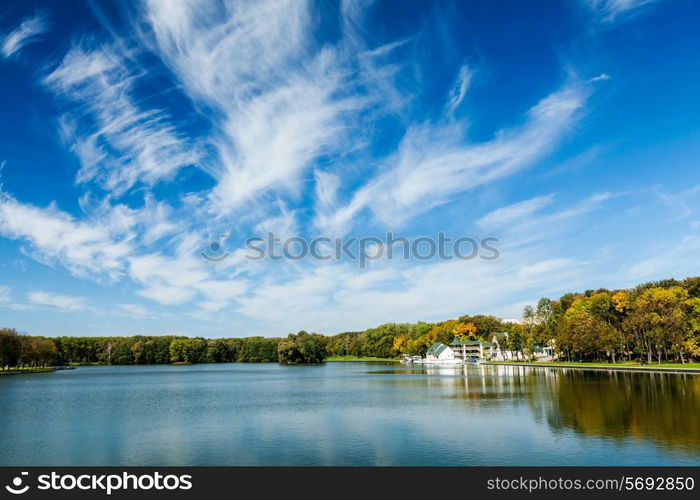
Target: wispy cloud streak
118,143
610,11
28,31
280,103
59,301
432,162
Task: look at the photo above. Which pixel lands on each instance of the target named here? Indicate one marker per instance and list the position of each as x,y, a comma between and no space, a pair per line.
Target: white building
439,352
472,350
543,353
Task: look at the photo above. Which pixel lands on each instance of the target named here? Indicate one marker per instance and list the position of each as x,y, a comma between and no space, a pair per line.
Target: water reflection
661,407
349,414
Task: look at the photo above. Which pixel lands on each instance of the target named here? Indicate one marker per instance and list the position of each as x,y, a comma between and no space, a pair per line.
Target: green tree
545,327
258,350
188,350
10,348
37,351
302,348
517,338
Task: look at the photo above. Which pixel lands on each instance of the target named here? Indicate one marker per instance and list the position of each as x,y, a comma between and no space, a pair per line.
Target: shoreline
28,370
336,359
646,369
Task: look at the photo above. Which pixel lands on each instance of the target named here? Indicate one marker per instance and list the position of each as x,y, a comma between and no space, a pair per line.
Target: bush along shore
655,323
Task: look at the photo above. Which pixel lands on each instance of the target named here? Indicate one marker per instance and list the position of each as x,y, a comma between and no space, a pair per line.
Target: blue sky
132,134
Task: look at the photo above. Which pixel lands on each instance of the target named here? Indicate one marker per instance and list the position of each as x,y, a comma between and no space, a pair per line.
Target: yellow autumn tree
621,301
691,347
465,331
400,344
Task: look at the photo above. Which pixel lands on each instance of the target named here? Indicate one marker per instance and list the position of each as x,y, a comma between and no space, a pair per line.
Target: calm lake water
348,414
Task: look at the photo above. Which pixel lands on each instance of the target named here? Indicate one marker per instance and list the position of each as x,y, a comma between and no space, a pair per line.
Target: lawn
625,364
19,371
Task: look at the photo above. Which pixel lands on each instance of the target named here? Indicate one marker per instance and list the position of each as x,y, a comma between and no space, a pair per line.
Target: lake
348,414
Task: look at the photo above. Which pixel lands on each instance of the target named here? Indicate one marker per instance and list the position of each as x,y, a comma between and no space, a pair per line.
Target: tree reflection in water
660,407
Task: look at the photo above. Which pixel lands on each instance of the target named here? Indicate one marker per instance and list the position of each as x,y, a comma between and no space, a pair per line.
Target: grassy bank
20,371
359,358
601,365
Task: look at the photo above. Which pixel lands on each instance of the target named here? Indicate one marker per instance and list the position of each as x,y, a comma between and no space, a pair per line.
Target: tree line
15,350
653,322
22,350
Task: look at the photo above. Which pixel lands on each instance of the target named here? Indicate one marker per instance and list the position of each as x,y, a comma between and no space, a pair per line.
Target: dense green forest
653,322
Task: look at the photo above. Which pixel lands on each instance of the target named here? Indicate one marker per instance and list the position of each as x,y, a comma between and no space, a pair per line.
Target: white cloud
68,303
545,267
275,137
254,40
262,109
338,297
516,211
677,259
86,248
525,224
4,294
27,32
7,302
175,280
460,89
135,311
432,164
281,102
609,11
327,184
110,243
138,311
277,103
117,142
282,226
159,221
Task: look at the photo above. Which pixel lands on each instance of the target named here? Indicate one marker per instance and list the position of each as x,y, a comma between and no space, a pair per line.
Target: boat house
439,352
